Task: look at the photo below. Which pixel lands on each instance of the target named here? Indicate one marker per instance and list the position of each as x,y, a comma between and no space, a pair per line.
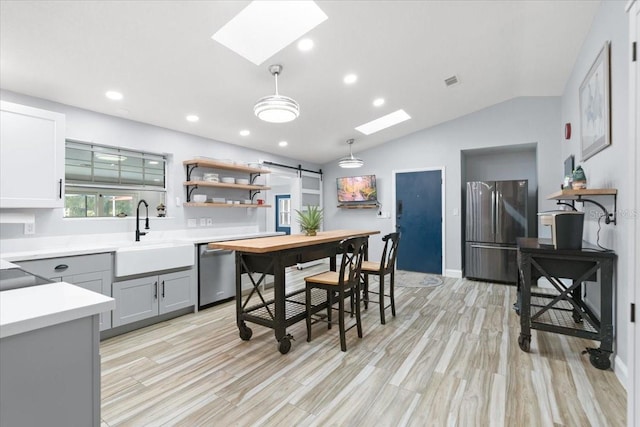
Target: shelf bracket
571,205
190,169
609,217
190,190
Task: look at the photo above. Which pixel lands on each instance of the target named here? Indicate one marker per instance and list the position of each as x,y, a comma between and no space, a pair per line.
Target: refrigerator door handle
497,215
493,214
502,248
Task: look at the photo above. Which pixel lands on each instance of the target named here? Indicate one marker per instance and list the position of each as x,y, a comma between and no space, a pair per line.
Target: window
109,182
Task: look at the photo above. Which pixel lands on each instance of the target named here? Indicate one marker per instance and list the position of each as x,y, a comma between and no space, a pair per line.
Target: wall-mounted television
357,189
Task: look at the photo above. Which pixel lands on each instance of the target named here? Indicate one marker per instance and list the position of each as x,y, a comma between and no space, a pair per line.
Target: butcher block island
271,256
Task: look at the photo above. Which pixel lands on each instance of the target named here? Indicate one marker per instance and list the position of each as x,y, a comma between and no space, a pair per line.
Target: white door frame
633,377
444,209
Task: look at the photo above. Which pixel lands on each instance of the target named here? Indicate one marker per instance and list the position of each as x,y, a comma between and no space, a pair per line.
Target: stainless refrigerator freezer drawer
494,263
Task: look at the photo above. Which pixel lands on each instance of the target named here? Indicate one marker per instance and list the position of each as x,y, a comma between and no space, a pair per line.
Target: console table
564,311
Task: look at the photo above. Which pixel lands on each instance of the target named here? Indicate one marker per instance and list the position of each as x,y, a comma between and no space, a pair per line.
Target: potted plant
310,220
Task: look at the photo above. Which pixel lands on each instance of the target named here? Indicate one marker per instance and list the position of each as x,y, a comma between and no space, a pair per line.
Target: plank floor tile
449,358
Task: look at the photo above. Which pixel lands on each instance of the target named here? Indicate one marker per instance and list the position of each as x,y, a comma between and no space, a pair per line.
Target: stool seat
326,278
370,266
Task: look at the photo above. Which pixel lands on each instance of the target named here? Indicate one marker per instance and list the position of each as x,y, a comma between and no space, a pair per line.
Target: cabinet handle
60,189
155,294
163,289
61,267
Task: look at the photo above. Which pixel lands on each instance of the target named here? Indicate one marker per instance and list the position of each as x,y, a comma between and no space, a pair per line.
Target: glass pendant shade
350,161
276,108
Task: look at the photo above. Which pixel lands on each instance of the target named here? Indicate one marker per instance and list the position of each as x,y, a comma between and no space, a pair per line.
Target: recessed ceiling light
192,118
383,122
263,28
378,102
350,79
283,143
113,95
245,132
305,45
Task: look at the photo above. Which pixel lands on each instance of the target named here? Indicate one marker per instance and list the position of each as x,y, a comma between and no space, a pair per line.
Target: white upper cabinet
31,157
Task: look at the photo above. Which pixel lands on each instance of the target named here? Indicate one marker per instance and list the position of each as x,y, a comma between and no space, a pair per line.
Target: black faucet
146,222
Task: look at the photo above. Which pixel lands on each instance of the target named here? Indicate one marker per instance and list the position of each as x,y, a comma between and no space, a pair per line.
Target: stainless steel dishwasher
216,275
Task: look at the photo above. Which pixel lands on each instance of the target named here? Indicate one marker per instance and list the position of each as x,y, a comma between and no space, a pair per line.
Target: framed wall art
595,106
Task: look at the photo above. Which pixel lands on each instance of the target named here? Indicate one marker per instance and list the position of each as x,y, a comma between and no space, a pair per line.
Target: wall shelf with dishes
213,180
585,195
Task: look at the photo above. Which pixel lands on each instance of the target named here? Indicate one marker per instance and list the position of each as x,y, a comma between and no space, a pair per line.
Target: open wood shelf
358,206
225,185
205,163
569,194
223,205
584,195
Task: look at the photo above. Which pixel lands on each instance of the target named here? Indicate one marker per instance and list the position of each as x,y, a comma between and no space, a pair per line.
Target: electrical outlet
191,223
209,222
203,222
29,228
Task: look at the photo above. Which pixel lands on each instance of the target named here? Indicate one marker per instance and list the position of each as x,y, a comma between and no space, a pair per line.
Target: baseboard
456,274
621,372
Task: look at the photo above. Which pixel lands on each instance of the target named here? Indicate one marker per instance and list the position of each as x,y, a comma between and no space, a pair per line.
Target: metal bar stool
341,284
381,269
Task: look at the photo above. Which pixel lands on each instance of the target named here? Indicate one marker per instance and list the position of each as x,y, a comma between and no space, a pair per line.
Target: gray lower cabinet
92,272
51,376
149,296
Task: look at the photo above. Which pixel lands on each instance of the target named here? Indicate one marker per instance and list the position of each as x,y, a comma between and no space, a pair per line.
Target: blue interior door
419,221
283,213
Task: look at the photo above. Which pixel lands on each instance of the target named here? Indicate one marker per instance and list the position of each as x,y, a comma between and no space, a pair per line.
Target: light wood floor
450,357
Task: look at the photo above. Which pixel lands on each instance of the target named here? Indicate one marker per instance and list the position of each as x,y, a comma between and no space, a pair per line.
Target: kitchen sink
147,257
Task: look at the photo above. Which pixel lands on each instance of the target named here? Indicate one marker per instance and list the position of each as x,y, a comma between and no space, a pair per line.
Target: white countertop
58,247
26,309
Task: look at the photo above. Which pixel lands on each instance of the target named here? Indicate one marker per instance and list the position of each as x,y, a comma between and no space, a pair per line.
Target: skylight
265,27
383,122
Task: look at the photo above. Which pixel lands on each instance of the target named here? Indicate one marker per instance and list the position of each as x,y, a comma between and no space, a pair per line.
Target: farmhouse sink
147,257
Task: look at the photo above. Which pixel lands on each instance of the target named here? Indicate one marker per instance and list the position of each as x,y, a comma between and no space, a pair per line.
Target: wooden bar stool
341,284
387,265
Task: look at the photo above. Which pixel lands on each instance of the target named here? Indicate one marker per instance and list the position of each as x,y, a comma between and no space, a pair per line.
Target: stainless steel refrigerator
496,214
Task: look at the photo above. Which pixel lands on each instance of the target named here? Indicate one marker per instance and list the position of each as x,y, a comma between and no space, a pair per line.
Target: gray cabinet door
175,291
99,282
136,299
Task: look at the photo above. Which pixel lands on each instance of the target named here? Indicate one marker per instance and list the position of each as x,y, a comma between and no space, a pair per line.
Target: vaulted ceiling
161,56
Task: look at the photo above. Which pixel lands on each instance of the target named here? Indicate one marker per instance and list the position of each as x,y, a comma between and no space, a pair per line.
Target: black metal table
564,311
271,255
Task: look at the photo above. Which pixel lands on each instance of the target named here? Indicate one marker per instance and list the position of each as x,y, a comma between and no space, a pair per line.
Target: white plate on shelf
228,180
218,200
242,181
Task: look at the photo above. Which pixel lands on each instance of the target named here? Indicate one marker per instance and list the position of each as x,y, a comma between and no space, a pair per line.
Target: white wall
610,167
526,120
99,128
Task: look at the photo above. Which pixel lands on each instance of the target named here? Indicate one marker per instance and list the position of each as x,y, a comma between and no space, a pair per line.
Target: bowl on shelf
199,198
229,202
247,202
228,180
242,181
236,202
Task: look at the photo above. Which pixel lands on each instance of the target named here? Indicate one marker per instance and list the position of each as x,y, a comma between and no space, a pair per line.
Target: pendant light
350,161
276,108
